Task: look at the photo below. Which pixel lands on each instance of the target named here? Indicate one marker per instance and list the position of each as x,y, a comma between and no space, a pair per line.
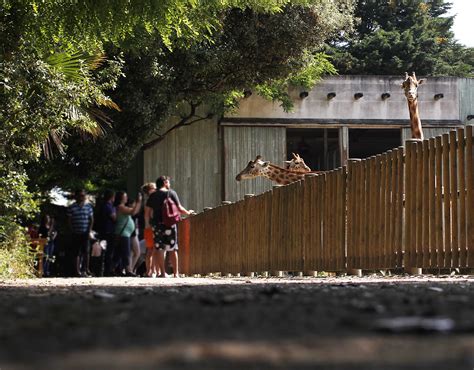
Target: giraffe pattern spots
280,175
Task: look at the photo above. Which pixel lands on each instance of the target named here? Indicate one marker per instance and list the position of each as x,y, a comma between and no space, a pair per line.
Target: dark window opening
364,143
318,147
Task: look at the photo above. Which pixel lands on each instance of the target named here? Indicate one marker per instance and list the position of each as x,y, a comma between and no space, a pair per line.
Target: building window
318,147
364,143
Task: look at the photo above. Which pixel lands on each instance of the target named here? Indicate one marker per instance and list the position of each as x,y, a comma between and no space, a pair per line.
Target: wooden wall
244,143
191,156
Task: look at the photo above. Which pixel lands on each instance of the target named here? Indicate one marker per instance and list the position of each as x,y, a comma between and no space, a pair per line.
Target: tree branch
183,122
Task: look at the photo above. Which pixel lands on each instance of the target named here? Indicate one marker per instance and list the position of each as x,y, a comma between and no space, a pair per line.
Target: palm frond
109,103
95,61
54,137
99,117
71,65
89,121
76,66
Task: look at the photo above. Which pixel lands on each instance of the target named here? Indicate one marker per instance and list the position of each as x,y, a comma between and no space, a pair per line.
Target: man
81,218
165,237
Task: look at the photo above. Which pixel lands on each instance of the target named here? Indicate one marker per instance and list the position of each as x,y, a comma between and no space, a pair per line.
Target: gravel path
238,323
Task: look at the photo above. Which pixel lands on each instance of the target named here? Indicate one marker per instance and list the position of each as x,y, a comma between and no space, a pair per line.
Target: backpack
170,212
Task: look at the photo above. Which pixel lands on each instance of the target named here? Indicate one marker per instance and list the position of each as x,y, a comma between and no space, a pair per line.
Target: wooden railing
406,208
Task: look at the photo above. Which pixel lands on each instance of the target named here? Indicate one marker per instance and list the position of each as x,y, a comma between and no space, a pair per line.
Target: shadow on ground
237,323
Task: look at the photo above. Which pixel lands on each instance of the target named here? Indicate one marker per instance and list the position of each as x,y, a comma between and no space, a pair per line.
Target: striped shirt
80,217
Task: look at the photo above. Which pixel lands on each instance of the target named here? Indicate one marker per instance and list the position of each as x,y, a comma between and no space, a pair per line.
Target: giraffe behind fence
297,164
259,167
410,86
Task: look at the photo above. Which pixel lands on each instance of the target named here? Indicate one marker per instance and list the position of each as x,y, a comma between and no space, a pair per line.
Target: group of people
124,227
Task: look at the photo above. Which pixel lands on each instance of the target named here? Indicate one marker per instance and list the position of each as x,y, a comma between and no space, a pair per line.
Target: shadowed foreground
325,323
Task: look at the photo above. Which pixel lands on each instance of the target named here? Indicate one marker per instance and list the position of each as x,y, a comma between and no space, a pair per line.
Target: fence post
308,247
410,207
248,273
470,196
184,235
446,201
462,197
276,273
351,239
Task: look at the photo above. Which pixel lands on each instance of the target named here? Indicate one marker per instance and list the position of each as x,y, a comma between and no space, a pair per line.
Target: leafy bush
16,260
16,203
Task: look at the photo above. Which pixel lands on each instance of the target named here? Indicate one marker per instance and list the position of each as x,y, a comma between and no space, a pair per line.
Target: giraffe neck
415,122
281,176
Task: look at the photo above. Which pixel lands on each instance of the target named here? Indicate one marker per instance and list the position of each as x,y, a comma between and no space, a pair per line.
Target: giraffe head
254,169
410,86
297,164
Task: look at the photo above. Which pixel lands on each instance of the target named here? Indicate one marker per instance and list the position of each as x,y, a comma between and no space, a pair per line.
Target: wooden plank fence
410,207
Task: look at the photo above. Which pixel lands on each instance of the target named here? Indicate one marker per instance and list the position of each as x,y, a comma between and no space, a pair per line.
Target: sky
463,23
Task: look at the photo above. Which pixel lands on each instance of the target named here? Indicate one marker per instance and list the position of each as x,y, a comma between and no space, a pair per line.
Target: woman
134,243
124,228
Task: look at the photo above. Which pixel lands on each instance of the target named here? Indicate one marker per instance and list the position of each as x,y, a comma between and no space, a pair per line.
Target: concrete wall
369,107
466,94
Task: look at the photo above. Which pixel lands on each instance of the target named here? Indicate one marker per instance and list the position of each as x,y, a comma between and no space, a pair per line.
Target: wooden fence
410,207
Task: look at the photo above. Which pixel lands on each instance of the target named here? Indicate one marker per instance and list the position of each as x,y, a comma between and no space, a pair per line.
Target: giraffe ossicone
297,164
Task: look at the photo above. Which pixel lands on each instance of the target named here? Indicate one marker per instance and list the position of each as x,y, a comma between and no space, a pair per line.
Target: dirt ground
371,322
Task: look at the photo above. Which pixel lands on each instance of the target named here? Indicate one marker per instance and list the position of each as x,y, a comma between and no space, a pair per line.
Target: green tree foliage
42,103
394,36
87,24
53,86
251,51
58,121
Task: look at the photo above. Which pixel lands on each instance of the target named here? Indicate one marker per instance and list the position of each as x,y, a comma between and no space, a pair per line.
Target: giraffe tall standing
410,86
